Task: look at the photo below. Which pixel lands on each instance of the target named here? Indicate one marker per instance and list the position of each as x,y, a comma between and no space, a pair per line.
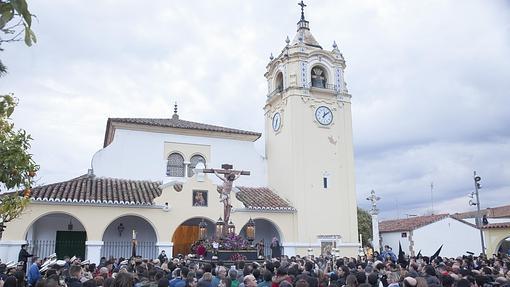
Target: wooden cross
225,169
228,178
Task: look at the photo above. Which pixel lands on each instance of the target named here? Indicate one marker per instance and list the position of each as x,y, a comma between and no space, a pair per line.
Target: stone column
375,232
93,252
375,222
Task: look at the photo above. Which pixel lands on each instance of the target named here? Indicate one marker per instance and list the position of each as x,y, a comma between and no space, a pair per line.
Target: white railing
117,249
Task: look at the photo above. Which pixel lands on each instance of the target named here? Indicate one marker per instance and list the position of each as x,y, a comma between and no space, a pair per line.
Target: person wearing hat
23,256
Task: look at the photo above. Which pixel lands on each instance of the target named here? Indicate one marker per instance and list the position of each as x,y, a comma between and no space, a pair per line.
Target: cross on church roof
303,5
175,115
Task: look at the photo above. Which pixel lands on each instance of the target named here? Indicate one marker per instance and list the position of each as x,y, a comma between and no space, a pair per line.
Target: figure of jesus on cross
228,178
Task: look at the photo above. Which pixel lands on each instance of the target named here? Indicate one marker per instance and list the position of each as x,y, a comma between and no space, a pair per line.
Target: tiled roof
262,198
174,122
494,212
408,224
497,225
91,189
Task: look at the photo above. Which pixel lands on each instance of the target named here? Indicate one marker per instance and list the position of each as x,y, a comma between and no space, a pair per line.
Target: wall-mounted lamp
202,230
120,229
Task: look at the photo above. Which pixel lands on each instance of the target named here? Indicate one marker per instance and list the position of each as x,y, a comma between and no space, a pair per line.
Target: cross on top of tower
303,5
175,115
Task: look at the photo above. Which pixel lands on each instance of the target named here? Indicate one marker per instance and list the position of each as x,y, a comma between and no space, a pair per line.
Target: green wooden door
70,243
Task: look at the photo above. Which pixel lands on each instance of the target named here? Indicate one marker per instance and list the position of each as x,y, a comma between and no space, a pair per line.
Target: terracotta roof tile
93,189
408,224
174,123
491,212
497,225
262,198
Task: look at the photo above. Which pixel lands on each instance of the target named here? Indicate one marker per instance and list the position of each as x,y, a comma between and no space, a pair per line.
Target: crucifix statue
228,178
373,199
375,222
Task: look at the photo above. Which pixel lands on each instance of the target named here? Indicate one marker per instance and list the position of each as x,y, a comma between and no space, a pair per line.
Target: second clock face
324,115
277,121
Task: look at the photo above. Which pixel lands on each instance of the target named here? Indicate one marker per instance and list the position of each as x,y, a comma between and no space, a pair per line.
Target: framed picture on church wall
199,198
327,247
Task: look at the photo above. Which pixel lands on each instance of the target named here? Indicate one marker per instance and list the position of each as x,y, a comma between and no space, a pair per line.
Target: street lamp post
477,180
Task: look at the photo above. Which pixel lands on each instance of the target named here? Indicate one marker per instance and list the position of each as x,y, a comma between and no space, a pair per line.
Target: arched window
318,77
175,165
279,82
193,163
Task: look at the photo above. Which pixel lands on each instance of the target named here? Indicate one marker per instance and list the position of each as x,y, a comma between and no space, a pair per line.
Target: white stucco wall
456,237
46,227
392,238
140,155
144,230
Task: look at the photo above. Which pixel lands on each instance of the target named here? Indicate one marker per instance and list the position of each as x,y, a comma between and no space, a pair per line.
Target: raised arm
237,175
218,175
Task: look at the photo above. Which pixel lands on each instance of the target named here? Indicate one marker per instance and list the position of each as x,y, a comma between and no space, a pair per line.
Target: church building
148,181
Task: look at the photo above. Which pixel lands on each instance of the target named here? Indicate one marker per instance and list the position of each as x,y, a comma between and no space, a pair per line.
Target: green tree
365,226
17,168
15,24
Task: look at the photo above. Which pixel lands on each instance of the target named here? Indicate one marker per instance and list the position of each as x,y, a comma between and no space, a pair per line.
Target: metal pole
478,217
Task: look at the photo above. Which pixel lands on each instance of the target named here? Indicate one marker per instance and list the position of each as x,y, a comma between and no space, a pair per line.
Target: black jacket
73,282
23,255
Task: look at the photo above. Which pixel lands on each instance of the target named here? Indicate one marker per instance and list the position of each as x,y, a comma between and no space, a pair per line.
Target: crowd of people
295,271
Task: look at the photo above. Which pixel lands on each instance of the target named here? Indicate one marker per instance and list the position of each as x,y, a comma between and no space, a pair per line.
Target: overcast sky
430,83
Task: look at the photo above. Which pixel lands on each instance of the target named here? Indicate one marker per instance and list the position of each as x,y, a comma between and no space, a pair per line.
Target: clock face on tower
324,115
277,121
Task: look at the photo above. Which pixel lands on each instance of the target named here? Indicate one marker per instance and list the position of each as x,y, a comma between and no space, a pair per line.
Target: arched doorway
118,238
187,234
504,246
265,230
59,233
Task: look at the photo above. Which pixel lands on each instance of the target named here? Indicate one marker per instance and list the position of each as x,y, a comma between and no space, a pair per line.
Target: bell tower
309,142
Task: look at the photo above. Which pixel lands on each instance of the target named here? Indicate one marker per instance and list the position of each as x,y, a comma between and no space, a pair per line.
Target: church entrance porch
504,246
187,234
265,232
57,233
118,238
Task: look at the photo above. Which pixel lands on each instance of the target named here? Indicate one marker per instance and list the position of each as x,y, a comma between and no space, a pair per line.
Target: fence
117,249
41,248
146,249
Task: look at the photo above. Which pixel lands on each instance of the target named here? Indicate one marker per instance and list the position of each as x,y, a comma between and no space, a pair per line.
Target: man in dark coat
275,248
23,256
75,273
162,257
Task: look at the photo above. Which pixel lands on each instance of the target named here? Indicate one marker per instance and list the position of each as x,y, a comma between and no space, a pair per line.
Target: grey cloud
428,79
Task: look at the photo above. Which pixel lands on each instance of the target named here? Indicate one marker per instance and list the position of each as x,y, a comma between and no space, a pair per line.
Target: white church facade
146,179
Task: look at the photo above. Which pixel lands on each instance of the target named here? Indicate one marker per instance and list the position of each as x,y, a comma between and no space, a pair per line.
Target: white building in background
428,233
301,191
